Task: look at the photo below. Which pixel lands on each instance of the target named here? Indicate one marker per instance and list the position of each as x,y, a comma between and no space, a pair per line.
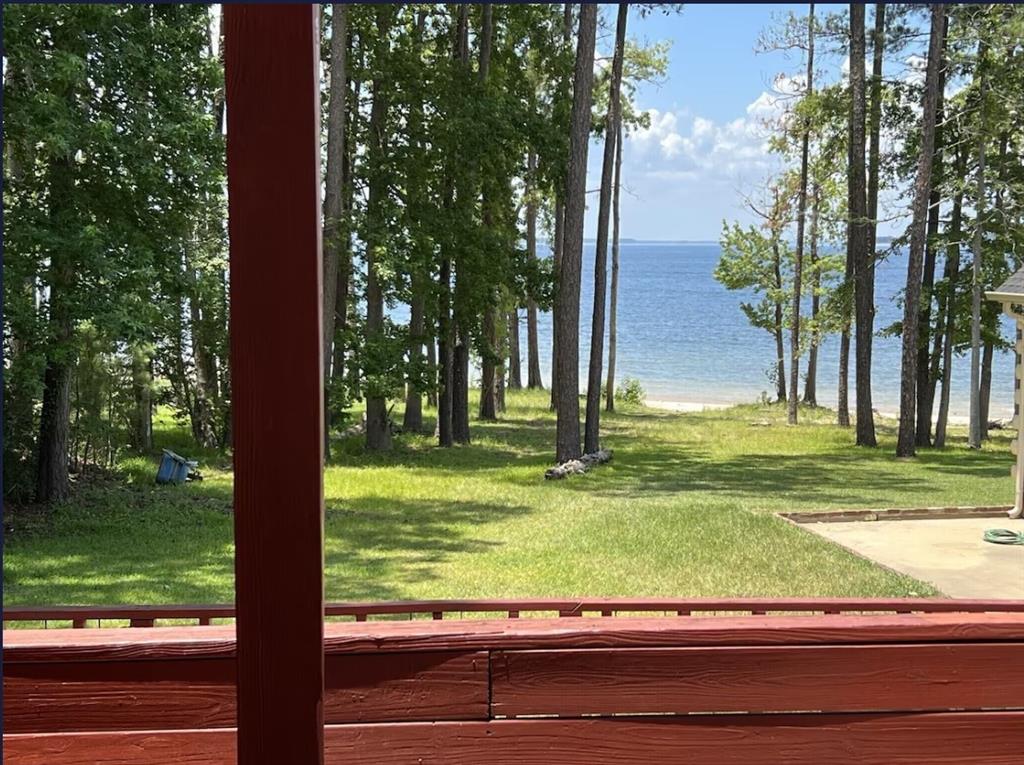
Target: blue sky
706,143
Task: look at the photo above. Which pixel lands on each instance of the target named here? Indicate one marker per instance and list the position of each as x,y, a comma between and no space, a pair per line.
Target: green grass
685,509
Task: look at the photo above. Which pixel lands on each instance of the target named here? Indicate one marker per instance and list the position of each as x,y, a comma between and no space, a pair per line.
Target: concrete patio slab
948,553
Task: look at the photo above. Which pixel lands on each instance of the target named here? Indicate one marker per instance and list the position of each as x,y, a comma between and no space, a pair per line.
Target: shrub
631,391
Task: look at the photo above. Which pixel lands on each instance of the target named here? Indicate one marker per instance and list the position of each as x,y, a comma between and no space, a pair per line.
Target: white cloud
676,148
702,127
697,163
670,145
663,125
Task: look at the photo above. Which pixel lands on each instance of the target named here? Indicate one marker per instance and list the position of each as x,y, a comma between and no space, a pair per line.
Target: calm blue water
685,338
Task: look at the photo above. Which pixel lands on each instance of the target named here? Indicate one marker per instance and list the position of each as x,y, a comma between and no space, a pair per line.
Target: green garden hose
1004,537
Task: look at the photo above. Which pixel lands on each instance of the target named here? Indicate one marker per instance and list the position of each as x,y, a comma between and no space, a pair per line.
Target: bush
630,391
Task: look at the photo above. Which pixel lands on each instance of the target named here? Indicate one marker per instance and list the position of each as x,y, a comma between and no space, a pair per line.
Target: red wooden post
273,149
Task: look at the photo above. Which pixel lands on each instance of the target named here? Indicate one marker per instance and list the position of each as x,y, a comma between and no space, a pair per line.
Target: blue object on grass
174,468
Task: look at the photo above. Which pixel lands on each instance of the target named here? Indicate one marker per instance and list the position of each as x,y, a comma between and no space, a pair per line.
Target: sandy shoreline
702,406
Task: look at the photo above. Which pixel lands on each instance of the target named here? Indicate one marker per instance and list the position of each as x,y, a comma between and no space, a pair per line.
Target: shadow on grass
117,543
371,541
493,445
760,478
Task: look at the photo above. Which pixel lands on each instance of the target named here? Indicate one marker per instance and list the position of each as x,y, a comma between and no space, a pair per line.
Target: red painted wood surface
995,738
272,73
413,686
939,739
625,632
939,676
455,608
200,693
522,634
113,695
438,671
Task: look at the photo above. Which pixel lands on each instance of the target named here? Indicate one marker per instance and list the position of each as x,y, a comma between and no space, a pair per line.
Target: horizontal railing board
168,694
860,678
413,686
511,634
552,605
130,695
118,645
992,738
939,739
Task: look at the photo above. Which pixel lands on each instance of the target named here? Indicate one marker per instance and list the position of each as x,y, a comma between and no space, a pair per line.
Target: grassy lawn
685,509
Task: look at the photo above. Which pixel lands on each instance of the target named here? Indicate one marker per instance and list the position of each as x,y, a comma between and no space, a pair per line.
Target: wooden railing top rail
21,646
145,615
918,688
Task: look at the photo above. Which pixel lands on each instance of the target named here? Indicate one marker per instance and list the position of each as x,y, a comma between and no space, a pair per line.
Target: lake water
683,335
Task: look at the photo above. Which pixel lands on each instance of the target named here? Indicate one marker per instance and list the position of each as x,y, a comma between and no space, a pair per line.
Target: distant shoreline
703,406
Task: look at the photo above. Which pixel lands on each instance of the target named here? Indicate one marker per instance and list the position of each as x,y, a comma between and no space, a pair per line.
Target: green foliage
755,261
630,391
640,64
113,169
102,400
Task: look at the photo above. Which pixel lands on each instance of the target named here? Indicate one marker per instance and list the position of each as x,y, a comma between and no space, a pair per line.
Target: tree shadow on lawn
853,478
762,479
496,445
174,545
371,540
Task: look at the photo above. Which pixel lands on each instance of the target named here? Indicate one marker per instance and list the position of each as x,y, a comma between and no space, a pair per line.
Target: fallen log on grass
576,467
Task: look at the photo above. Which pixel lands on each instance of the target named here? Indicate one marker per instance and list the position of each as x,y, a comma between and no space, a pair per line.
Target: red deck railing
943,683
152,615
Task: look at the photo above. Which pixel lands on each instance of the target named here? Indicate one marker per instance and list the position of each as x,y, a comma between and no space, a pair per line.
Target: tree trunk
857,238
567,426
993,313
412,420
432,366
792,409
489,376
592,427
925,389
142,393
378,430
205,390
953,269
557,248
974,438
986,385
935,355
499,384
460,388
905,446
925,382
445,322
533,378
780,346
613,298
52,482
334,230
446,357
843,388
780,352
515,372
447,329
811,381
341,296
